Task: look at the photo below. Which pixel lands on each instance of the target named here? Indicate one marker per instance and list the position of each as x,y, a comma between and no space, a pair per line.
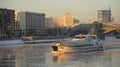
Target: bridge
97,28
79,29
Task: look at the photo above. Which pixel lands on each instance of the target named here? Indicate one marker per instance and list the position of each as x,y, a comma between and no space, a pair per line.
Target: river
39,55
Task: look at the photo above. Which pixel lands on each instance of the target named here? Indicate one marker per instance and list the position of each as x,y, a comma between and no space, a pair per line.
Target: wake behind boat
80,43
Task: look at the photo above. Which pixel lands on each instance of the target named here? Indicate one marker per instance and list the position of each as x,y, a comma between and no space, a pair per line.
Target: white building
32,23
104,16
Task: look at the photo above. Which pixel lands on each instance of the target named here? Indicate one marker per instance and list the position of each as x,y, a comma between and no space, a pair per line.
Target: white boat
80,43
89,39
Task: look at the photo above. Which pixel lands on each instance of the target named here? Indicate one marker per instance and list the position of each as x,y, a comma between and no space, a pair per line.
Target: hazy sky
83,9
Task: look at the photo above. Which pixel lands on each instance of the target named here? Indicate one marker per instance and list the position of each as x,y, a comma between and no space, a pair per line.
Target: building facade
59,22
7,20
31,23
67,20
49,23
104,16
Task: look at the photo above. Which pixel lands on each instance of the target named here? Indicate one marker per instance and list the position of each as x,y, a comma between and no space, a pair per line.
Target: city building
88,22
17,25
104,16
54,22
76,22
67,20
49,23
59,22
7,20
31,23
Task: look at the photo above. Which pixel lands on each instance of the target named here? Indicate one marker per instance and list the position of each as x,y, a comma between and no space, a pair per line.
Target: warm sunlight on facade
69,19
66,21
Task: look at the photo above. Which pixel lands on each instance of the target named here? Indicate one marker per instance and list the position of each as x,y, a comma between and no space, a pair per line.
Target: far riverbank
38,37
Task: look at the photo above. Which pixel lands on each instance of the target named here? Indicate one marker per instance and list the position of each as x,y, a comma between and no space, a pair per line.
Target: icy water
39,55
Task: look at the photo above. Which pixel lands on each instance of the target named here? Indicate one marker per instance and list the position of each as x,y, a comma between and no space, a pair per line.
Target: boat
27,39
80,43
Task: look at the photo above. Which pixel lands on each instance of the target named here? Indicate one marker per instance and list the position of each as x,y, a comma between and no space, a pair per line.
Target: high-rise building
104,16
32,23
69,19
7,20
16,22
59,22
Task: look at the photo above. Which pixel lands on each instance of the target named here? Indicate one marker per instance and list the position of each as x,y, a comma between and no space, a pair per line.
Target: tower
7,19
104,16
69,19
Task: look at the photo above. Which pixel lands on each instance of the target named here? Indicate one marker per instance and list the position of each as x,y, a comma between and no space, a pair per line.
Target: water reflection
7,57
79,57
39,55
30,56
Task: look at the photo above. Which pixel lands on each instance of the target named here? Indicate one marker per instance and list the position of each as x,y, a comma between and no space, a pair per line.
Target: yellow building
59,22
68,19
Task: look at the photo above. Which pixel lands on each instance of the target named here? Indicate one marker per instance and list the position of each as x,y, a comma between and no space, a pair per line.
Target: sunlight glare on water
39,55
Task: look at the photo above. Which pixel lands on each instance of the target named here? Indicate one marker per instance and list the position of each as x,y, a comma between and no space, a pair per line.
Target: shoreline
50,40
37,37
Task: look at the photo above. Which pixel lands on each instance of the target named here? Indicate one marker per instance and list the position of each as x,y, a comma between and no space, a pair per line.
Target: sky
82,9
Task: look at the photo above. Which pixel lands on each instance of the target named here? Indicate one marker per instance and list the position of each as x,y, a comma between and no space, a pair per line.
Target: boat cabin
84,37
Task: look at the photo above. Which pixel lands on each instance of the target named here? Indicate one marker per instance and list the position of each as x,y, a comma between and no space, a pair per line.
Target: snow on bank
12,42
5,42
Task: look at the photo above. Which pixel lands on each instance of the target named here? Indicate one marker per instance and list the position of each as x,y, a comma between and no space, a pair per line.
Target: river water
39,55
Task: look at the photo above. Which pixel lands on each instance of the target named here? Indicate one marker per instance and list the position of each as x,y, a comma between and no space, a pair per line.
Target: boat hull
65,49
